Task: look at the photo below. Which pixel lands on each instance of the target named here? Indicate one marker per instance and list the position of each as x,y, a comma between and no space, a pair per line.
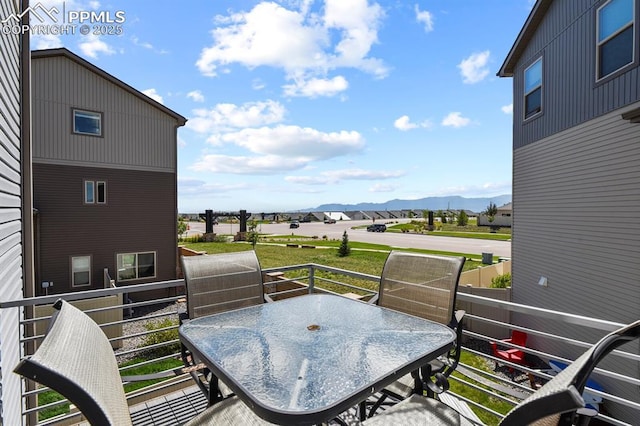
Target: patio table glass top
308,358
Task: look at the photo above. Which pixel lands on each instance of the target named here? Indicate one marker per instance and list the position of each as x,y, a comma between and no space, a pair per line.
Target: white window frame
92,196
600,43
86,114
88,260
103,184
135,266
539,86
89,194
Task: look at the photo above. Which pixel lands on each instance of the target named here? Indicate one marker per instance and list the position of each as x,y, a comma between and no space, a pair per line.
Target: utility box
487,258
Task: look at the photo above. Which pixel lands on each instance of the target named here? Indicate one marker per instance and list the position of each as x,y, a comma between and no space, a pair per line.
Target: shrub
501,281
162,336
344,249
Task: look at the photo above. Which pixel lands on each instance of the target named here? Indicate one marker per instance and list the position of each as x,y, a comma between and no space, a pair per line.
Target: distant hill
429,203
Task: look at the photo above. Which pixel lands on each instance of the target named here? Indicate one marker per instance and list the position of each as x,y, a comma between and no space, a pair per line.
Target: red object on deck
511,354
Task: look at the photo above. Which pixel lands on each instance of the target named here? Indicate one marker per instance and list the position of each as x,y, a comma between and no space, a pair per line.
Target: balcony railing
149,342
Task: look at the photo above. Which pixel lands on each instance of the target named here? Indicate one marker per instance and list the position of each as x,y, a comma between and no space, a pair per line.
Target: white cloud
487,189
404,123
383,187
425,17
144,44
335,176
226,117
507,109
48,41
196,96
474,68
258,84
245,165
315,87
153,94
455,119
188,186
296,142
93,45
299,42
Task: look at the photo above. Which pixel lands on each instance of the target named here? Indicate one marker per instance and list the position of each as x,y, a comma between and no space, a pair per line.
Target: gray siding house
105,178
15,202
576,161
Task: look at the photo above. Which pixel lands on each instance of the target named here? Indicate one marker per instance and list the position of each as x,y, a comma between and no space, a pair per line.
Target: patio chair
557,402
513,355
423,285
76,360
218,283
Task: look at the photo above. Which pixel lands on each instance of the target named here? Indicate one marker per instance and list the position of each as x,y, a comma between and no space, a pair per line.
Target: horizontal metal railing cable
578,343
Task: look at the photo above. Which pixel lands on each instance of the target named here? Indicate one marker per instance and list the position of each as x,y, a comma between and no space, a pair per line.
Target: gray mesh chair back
556,403
563,394
76,360
423,285
221,282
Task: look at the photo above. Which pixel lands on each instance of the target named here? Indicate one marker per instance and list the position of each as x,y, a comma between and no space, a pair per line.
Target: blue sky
296,103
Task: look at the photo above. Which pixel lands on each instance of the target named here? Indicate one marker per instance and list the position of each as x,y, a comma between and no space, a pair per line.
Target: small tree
442,215
463,218
491,211
182,226
252,235
344,249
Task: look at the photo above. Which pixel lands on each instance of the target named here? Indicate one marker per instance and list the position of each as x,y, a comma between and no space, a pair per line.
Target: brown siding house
105,180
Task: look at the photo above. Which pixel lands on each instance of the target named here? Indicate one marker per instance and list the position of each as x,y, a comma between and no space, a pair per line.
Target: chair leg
377,405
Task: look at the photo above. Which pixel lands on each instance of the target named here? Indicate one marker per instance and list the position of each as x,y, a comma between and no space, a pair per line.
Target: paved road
334,231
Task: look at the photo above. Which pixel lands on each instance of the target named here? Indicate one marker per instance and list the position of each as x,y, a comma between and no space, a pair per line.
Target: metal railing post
312,271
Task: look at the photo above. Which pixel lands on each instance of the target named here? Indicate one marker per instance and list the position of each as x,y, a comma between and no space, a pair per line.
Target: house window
87,123
615,23
81,271
89,192
533,89
101,192
95,192
133,266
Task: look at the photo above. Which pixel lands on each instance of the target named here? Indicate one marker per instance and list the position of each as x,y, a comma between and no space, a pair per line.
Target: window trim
137,277
89,184
73,277
598,43
102,183
526,117
94,185
97,114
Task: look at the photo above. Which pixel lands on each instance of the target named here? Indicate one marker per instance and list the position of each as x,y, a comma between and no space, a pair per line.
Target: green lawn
365,258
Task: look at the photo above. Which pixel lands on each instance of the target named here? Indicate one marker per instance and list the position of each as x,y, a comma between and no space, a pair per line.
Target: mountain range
429,203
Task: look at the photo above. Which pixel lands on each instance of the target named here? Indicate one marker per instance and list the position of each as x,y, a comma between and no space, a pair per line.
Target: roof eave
524,37
46,53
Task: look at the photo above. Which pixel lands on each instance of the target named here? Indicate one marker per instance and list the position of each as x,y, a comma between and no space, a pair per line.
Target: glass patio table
306,359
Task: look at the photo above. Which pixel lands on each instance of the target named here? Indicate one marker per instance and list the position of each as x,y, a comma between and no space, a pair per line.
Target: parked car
377,227
329,220
294,224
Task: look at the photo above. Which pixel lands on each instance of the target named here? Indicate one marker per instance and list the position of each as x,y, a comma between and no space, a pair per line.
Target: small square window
533,89
81,271
87,123
95,192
